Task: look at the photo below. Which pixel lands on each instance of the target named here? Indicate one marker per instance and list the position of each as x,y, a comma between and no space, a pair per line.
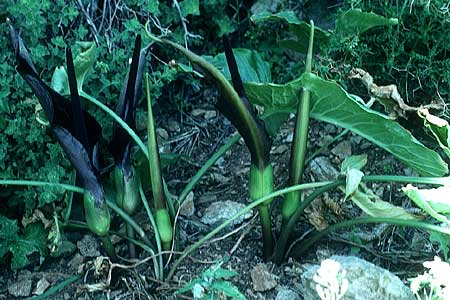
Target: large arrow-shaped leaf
330,103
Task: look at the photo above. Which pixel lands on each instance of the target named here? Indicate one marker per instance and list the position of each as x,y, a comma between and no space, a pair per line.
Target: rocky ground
198,134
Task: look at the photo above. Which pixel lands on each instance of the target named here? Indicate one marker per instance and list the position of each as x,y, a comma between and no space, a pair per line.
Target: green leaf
353,162
190,7
439,128
83,63
188,287
432,201
32,240
299,28
60,81
228,289
218,273
252,67
372,205
355,22
352,180
330,103
443,240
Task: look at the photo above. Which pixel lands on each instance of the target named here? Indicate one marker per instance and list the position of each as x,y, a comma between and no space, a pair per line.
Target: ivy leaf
190,7
32,240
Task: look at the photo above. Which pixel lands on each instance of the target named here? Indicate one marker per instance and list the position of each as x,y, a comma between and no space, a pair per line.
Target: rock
220,178
197,112
162,133
20,288
173,126
41,286
88,246
286,294
322,169
262,279
280,149
76,261
289,138
354,279
218,212
210,114
342,150
187,209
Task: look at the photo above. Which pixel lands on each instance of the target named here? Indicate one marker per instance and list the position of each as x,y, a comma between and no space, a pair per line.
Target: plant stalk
300,141
163,221
369,220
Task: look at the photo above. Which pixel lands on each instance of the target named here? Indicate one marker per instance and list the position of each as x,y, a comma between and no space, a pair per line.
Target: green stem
64,186
208,164
138,229
298,151
56,288
163,221
131,246
116,118
290,225
370,220
160,273
266,224
243,211
109,247
261,184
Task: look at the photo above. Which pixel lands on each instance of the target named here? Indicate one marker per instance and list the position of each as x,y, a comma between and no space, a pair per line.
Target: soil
198,134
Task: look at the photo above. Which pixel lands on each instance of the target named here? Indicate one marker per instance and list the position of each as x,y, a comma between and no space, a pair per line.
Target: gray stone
342,150
41,286
162,133
286,294
262,279
20,288
322,169
187,209
280,149
353,279
76,261
218,212
88,246
210,114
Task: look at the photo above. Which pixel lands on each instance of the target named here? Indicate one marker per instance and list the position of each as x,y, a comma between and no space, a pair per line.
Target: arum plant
298,150
125,176
163,221
68,122
236,107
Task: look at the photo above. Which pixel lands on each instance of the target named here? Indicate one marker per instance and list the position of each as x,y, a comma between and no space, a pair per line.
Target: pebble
41,286
285,293
262,279
218,212
187,209
342,150
20,288
88,246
